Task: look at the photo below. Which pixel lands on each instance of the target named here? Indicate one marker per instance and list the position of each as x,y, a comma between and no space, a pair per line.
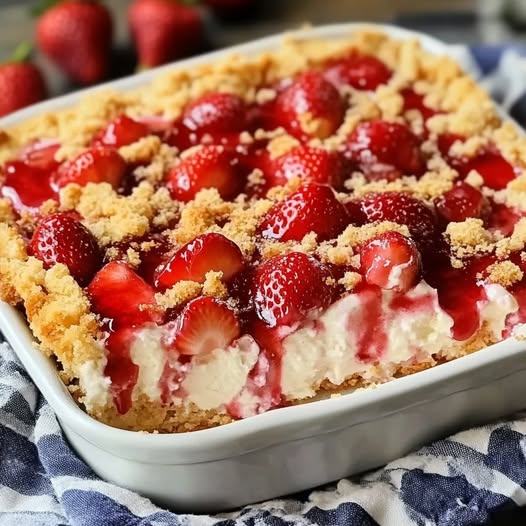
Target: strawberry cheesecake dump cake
257,232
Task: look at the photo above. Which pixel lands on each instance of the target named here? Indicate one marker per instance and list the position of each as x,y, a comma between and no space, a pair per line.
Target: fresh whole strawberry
385,150
391,261
164,30
118,293
61,238
363,72
311,208
310,106
21,84
215,113
204,325
286,288
94,165
205,253
403,209
77,36
207,167
120,132
310,164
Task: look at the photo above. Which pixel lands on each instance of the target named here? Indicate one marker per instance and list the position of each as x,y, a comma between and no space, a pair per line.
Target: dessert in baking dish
249,234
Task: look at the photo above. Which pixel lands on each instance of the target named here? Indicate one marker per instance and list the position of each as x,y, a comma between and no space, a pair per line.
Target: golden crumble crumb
278,193
469,237
513,243
468,148
6,211
330,281
261,135
350,280
354,235
505,273
281,145
141,151
180,293
67,152
214,286
264,95
474,179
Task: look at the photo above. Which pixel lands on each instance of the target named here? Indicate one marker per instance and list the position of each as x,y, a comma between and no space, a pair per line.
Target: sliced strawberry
363,72
120,369
391,261
61,238
203,254
208,167
25,186
118,293
95,165
215,113
204,325
461,202
311,96
311,165
494,169
311,208
41,154
385,150
287,288
406,210
120,132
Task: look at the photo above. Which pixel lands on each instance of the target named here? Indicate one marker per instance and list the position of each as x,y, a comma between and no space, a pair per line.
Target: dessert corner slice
261,232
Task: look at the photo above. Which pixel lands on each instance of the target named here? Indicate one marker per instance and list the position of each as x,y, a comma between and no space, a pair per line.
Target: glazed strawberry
310,106
164,30
494,169
120,132
95,165
25,186
21,84
118,293
215,114
204,325
405,210
120,369
207,167
77,36
311,208
363,72
415,101
203,254
40,154
287,288
310,164
461,202
384,150
61,238
391,261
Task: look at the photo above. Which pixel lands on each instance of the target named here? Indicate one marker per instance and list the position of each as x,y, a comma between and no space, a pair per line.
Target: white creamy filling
95,384
324,348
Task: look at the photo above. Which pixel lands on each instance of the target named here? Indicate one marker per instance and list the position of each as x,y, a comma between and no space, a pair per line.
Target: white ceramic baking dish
288,449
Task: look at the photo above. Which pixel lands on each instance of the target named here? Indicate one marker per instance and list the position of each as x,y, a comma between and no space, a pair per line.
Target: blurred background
468,21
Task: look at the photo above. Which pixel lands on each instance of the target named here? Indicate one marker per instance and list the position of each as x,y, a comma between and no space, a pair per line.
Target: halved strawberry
95,165
207,167
201,255
310,164
311,208
120,369
40,154
461,202
310,96
405,210
27,187
286,288
385,150
120,132
363,72
118,293
61,238
391,261
204,325
215,113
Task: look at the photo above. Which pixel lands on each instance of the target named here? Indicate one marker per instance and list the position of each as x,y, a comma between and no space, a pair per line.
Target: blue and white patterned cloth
470,478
